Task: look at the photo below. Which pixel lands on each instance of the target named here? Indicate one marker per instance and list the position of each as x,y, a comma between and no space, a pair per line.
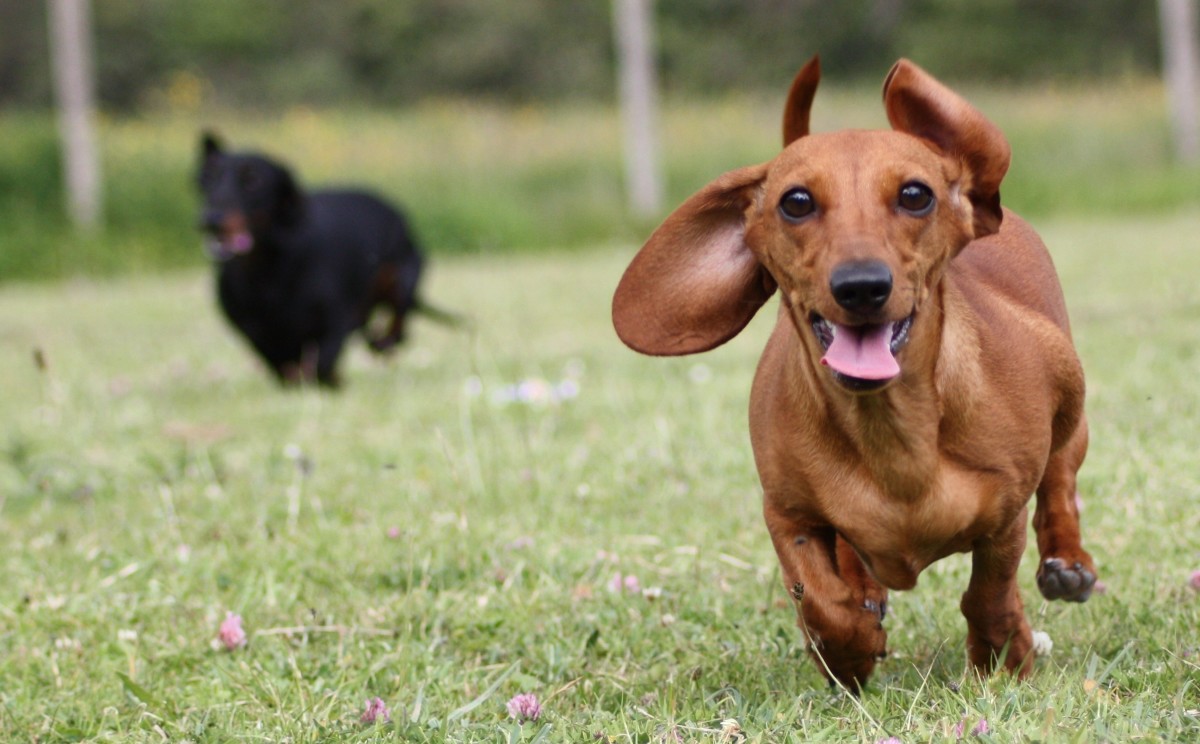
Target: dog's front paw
847,649
1057,580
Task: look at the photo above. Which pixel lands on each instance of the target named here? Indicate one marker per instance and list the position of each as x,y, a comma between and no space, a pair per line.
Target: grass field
423,539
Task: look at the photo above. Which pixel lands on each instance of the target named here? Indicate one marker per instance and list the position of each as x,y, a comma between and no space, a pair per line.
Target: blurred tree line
389,52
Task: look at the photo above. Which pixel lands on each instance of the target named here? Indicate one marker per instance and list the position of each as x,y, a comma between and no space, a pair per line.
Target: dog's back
353,236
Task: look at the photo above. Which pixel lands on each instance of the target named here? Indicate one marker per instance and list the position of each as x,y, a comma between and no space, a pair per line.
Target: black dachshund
298,272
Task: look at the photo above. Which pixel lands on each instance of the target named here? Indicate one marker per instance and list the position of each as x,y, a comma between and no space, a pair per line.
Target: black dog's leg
282,358
395,334
328,350
395,288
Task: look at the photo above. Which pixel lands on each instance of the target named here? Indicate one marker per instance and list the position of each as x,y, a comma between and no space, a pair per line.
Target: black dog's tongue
225,248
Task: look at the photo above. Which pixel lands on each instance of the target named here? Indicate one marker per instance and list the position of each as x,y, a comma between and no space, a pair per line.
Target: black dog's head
246,198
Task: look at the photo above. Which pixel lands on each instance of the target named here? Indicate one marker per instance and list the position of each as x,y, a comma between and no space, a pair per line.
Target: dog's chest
898,538
269,297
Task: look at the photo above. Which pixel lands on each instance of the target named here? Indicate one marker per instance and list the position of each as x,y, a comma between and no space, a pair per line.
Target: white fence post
638,88
1181,70
71,52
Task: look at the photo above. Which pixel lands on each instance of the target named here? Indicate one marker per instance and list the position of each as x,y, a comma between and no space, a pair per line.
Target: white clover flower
1042,643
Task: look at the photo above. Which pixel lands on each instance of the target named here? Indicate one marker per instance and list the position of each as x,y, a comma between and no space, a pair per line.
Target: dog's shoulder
1005,325
1012,265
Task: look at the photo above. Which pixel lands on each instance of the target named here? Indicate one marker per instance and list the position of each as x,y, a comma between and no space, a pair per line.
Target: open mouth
223,246
862,357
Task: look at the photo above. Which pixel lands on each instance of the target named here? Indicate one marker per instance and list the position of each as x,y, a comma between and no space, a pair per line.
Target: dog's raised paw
1057,580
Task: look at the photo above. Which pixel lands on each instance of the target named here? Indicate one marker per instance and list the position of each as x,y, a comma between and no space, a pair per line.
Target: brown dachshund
920,382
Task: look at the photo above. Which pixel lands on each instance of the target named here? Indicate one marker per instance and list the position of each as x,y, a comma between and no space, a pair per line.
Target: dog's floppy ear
918,104
210,144
210,147
695,283
799,101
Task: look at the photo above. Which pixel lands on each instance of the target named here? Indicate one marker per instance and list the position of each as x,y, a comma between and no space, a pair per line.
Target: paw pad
1057,580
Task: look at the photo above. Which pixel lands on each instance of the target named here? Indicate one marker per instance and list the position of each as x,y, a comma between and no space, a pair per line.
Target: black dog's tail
440,315
383,334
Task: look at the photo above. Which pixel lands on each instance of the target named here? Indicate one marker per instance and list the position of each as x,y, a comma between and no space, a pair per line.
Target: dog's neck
895,432
268,249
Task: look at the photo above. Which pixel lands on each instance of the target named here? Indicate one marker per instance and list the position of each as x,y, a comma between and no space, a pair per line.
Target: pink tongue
863,352
241,242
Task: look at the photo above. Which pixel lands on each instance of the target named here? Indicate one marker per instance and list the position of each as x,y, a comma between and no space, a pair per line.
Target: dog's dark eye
915,198
797,204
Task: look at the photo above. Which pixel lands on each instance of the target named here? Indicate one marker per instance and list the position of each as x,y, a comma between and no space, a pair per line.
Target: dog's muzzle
225,247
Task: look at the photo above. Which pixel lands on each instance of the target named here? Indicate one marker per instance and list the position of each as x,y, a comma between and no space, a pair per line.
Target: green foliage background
264,52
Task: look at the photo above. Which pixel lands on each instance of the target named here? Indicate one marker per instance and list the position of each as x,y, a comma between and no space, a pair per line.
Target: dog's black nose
861,286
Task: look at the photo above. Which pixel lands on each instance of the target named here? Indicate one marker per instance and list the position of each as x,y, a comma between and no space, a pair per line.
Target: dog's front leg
839,606
325,358
996,625
1066,570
